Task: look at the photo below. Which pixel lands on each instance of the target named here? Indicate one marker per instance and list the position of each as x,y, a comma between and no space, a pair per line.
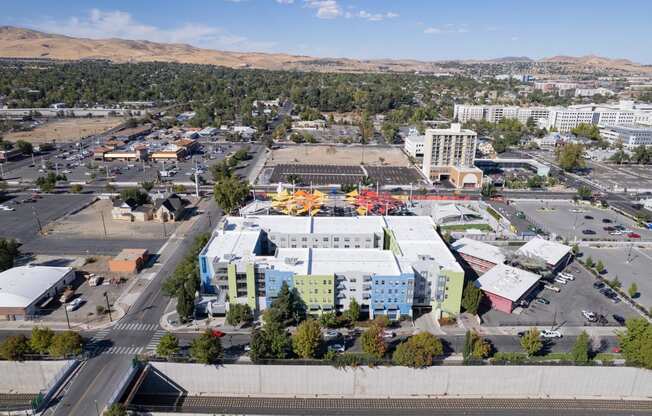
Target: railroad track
202,404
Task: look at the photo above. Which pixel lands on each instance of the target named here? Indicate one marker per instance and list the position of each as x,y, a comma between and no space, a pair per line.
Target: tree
272,341
26,147
584,192
589,262
389,130
535,181
147,186
329,320
614,283
206,349
475,347
230,193
65,344
15,348
581,349
599,267
353,313
41,339
135,194
418,351
76,188
471,298
307,340
571,156
619,157
288,306
372,341
8,253
488,190
167,346
590,131
366,129
641,155
116,409
239,313
636,342
633,290
185,303
531,342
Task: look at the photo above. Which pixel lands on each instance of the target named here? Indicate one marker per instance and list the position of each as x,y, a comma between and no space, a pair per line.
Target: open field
68,130
339,155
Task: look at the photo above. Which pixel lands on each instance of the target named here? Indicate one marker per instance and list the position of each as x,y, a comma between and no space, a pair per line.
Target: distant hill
26,43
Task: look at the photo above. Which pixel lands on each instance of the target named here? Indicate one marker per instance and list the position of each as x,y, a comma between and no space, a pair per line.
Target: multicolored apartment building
390,265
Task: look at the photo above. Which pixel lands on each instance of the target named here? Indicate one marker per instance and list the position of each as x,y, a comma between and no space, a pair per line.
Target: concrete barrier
30,377
403,382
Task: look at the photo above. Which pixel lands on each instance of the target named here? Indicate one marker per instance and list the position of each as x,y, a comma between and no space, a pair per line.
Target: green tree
589,262
230,193
531,342
239,313
307,340
641,155
488,190
272,341
389,130
581,349
615,283
636,342
167,346
76,188
418,351
599,267
25,147
147,185
135,194
584,192
571,156
372,341
619,157
206,348
471,298
8,253
633,290
15,348
41,339
535,181
116,409
353,313
185,303
288,306
590,131
329,320
65,344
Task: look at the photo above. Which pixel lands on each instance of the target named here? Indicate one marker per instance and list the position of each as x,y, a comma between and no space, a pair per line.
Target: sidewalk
170,322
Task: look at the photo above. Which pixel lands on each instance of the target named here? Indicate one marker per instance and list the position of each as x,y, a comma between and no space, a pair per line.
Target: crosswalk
121,350
136,326
156,339
100,335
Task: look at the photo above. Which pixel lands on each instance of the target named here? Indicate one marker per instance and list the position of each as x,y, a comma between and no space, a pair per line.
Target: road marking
156,339
135,326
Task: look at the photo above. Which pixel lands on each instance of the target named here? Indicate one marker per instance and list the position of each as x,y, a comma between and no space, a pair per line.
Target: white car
566,276
337,348
388,334
560,280
331,334
76,303
549,333
6,208
590,316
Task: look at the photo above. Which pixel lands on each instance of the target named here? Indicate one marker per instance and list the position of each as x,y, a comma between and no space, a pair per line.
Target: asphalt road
102,373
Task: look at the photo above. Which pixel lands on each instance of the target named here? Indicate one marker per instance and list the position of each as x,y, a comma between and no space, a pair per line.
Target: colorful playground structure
373,203
299,202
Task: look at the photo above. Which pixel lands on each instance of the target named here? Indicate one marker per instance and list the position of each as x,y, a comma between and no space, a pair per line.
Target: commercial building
629,136
309,125
491,165
389,265
27,289
7,155
448,154
414,145
556,255
496,113
129,260
505,286
481,257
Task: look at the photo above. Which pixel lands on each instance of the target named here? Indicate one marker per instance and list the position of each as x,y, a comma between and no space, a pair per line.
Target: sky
365,29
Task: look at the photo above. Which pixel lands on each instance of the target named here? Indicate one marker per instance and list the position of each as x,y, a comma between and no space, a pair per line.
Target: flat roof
507,282
550,251
370,261
295,260
21,286
480,250
347,225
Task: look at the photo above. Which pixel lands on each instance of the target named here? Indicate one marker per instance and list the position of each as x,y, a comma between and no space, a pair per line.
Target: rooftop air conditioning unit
229,256
293,261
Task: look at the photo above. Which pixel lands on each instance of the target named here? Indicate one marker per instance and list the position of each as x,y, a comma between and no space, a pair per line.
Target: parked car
549,333
553,288
216,333
598,285
76,303
633,235
388,334
609,228
560,280
66,295
619,319
542,301
336,348
606,221
589,316
602,320
588,217
588,232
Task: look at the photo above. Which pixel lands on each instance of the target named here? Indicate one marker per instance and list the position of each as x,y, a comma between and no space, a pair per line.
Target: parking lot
616,177
565,307
631,264
23,223
582,222
349,175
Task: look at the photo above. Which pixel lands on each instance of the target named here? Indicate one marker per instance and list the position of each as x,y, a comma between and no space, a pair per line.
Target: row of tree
43,341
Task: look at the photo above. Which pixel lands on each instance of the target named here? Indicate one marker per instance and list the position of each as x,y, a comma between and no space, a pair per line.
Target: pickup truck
67,294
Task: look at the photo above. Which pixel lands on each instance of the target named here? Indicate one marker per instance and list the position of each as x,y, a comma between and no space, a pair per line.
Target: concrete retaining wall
494,381
29,377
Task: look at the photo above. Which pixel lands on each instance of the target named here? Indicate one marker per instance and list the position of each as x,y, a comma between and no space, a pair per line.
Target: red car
217,333
616,350
633,235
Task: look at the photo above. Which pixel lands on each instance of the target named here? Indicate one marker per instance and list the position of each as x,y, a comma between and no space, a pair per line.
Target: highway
94,384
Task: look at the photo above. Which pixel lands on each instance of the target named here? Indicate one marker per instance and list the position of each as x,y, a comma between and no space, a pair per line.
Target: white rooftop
550,251
21,286
347,225
295,260
507,281
442,211
371,261
480,250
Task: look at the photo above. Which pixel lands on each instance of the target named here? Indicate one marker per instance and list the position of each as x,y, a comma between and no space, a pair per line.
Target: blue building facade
274,280
392,295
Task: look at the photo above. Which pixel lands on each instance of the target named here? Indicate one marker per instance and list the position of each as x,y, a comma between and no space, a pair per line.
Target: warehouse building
481,257
506,286
556,255
389,265
27,289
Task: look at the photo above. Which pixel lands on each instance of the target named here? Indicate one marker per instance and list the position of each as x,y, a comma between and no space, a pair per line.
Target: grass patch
465,227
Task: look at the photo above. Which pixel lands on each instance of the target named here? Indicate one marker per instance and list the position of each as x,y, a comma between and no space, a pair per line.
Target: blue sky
419,29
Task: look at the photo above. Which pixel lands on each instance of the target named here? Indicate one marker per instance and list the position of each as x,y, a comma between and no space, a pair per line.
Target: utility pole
2,170
196,181
103,224
108,306
97,410
38,222
67,318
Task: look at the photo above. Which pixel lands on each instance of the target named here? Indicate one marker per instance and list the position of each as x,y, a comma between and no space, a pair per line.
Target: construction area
64,131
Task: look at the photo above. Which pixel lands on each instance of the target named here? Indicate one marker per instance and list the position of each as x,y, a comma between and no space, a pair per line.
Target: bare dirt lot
339,155
67,130
88,224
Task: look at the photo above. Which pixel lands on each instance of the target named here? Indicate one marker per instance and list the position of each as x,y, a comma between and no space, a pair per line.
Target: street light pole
67,319
97,410
108,307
